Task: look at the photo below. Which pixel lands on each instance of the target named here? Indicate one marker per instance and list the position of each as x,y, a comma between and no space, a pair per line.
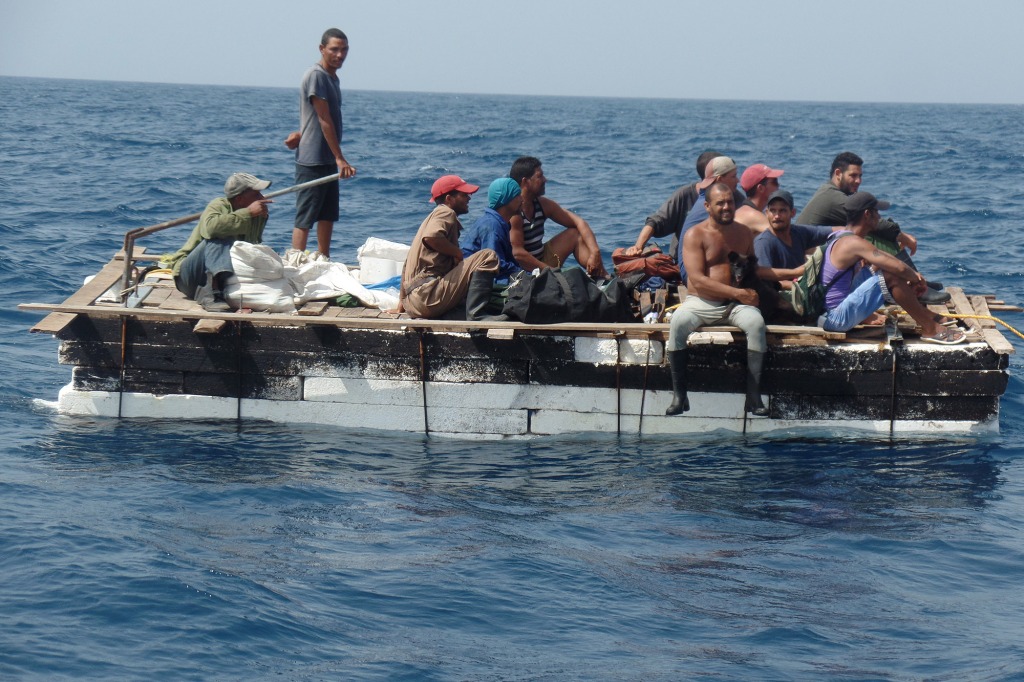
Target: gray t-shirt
313,149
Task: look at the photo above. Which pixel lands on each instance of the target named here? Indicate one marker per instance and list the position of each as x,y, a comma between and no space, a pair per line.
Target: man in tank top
527,234
827,207
856,291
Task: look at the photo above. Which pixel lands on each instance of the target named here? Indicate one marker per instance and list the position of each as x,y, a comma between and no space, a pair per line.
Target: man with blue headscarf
491,230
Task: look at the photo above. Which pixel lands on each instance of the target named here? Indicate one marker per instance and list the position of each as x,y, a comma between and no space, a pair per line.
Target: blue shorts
868,295
316,203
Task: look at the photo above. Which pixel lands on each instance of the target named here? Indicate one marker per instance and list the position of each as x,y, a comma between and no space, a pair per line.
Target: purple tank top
843,279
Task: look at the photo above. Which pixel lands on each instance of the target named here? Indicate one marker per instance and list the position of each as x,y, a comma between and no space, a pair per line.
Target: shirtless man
712,298
527,235
856,291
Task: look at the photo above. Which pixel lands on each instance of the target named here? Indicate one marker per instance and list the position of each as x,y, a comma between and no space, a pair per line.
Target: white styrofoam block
624,351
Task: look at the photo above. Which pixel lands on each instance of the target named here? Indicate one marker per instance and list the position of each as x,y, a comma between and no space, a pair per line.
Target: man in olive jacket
203,263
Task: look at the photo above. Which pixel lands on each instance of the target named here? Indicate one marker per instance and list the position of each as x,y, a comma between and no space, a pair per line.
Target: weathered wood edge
624,329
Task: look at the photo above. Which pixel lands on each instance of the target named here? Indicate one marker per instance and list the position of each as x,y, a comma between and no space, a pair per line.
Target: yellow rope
984,317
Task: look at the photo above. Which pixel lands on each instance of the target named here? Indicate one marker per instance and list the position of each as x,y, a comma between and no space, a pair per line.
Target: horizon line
507,94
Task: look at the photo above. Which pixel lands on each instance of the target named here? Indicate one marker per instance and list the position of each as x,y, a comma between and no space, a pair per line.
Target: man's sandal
946,337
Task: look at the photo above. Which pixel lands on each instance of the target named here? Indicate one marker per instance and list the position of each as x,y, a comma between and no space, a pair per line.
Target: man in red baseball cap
436,277
758,182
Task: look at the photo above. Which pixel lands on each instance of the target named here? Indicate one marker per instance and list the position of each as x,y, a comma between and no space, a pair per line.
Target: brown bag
652,262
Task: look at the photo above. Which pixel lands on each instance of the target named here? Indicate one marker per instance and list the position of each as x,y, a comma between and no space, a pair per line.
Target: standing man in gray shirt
318,145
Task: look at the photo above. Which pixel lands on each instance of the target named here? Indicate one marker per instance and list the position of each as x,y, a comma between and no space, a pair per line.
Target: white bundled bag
260,281
320,280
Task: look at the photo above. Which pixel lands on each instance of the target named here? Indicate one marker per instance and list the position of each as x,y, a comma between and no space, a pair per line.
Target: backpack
808,293
569,296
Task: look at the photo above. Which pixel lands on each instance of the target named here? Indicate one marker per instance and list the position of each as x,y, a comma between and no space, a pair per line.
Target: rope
978,317
986,317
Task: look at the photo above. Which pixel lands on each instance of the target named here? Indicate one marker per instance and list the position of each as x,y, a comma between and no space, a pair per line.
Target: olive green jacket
219,221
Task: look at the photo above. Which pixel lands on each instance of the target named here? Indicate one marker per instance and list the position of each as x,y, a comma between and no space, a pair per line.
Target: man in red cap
436,277
758,181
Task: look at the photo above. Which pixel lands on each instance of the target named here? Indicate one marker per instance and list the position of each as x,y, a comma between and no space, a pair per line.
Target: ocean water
166,550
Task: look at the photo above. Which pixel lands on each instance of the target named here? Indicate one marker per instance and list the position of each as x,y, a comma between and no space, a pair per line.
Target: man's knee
749,319
682,325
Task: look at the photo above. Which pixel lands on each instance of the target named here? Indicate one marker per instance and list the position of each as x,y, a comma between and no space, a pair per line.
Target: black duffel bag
569,296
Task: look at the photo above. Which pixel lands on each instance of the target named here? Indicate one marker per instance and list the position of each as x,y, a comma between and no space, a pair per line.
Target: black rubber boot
755,365
677,368
478,296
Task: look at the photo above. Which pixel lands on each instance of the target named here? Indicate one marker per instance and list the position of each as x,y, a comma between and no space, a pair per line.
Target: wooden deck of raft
165,302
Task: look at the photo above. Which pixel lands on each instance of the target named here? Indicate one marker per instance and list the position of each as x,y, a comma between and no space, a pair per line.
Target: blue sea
141,550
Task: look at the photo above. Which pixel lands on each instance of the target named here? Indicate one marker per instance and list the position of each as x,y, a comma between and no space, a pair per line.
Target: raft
161,356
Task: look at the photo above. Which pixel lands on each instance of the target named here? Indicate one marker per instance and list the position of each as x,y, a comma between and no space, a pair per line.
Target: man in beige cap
436,276
204,262
720,169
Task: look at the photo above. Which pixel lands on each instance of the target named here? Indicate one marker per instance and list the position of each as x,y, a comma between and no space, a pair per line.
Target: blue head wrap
502,191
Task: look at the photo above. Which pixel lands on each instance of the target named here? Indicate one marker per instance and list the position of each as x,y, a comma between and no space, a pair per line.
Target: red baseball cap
756,174
450,183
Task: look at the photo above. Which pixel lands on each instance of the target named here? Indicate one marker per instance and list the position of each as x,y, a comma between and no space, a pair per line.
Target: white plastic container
380,259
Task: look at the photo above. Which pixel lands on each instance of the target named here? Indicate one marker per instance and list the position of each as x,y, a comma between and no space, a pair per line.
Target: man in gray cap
855,292
669,218
203,263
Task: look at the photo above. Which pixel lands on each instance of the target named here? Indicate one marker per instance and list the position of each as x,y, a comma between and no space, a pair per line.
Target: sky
866,51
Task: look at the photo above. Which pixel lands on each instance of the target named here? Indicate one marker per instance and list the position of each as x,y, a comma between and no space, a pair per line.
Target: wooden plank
980,306
801,340
54,323
703,337
993,337
138,253
314,308
963,307
158,297
209,326
347,321
501,334
109,275
98,285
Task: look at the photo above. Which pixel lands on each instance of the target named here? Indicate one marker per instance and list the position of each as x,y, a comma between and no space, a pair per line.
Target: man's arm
525,259
766,269
442,245
222,223
569,219
490,239
641,241
863,249
323,115
669,217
